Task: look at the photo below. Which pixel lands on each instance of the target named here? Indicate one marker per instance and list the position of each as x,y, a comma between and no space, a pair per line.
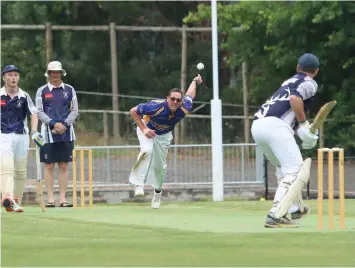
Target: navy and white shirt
279,105
157,115
14,112
57,105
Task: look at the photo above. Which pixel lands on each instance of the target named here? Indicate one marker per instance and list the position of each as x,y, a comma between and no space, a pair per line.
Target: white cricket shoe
156,200
139,190
17,207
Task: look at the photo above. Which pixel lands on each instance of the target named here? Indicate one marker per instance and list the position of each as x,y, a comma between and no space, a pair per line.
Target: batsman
273,130
154,132
16,106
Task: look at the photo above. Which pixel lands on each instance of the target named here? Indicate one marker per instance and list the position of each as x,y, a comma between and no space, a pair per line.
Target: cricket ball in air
200,66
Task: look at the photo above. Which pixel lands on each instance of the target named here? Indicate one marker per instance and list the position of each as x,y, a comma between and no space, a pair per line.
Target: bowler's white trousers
13,161
276,140
151,165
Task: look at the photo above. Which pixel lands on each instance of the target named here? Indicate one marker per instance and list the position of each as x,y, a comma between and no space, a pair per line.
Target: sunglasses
175,99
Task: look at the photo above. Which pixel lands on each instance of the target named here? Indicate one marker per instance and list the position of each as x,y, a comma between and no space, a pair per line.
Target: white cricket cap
55,66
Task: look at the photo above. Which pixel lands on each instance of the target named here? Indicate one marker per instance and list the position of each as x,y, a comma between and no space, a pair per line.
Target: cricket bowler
273,130
154,132
16,105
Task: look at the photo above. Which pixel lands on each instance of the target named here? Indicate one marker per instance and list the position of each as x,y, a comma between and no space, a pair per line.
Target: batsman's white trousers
15,145
151,165
276,140
13,159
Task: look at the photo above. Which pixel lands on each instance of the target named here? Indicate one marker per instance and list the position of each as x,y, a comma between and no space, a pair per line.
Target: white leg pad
294,189
298,205
20,177
7,175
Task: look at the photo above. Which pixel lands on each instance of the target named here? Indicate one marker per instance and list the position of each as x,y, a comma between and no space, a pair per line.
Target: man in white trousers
154,132
273,130
16,105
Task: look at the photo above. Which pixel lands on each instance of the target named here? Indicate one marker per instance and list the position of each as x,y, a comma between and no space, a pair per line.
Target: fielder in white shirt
273,130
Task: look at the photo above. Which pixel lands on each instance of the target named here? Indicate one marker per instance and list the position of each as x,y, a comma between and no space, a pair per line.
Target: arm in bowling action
191,91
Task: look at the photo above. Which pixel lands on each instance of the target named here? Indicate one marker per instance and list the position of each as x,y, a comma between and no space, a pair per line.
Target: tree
275,34
148,62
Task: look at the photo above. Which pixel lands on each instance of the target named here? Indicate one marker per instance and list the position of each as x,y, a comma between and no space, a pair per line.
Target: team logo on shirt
266,106
66,94
3,102
19,104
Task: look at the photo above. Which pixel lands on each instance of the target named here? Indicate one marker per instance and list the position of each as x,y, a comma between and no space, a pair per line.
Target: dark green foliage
275,34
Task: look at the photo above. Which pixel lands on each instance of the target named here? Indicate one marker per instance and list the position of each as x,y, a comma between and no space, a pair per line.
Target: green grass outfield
227,233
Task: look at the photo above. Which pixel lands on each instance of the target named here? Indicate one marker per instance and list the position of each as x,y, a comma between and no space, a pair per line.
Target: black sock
157,191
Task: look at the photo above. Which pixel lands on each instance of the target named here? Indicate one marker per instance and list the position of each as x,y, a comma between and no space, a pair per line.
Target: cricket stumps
82,177
331,209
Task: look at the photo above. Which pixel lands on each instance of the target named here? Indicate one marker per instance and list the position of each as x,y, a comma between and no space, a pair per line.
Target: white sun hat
55,66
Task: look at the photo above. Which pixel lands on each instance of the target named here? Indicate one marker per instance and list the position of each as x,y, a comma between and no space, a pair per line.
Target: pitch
229,233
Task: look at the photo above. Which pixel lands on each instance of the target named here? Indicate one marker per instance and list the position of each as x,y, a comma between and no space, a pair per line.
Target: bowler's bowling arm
191,91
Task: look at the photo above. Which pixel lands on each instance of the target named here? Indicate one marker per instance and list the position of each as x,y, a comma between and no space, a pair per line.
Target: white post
216,115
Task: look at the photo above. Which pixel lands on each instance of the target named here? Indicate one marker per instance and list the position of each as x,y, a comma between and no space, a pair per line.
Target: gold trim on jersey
159,111
185,110
146,119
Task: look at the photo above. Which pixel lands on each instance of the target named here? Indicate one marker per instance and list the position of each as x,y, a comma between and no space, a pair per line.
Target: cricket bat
39,182
322,115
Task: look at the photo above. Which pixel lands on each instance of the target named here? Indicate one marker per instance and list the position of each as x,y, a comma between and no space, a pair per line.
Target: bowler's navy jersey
279,105
157,115
57,105
14,112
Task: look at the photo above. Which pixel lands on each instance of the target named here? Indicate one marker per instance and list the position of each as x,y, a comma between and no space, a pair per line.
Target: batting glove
305,134
316,132
309,145
37,138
